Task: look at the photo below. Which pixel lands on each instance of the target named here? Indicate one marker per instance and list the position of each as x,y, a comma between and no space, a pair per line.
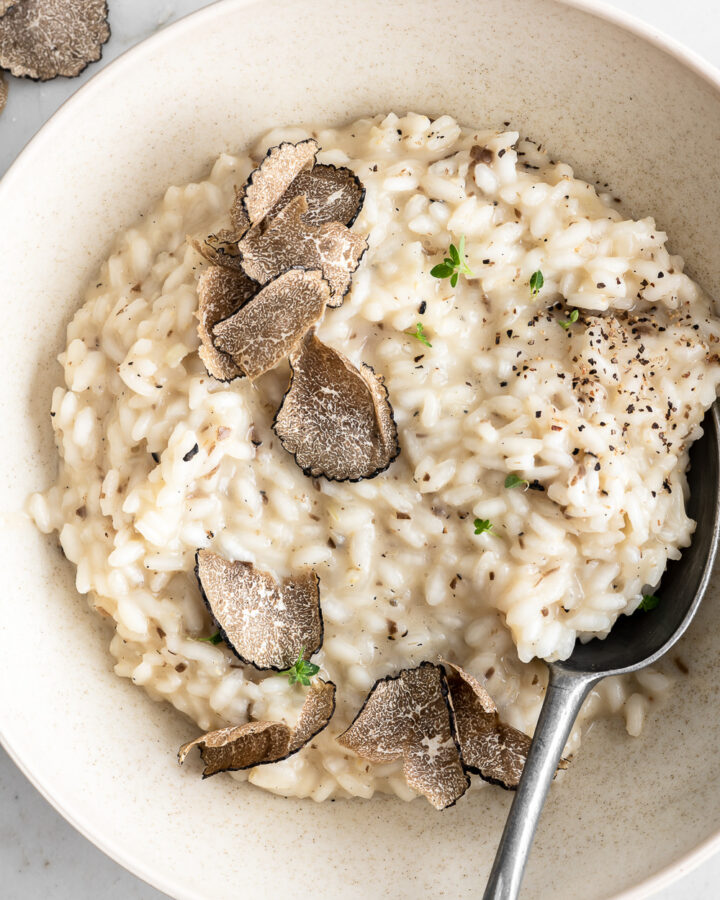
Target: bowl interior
621,111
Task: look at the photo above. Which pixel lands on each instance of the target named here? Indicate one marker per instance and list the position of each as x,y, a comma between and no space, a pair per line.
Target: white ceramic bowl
623,108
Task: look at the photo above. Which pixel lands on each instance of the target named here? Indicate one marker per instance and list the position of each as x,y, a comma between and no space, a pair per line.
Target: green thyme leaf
536,282
213,639
419,333
301,670
454,265
573,317
513,481
648,602
483,525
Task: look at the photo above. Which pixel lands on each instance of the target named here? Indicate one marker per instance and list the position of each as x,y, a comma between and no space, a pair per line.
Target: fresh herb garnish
301,670
536,282
648,602
419,333
454,265
482,526
573,318
513,481
213,639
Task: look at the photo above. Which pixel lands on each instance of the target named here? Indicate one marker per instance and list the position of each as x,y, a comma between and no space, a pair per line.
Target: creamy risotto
593,412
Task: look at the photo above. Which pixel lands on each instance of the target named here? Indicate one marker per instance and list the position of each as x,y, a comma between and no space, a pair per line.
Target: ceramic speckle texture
617,109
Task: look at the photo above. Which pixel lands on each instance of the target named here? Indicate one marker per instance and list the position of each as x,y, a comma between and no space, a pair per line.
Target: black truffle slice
259,743
42,39
490,748
483,700
220,249
238,216
270,326
265,622
221,292
408,716
266,184
240,747
333,194
316,712
288,241
336,419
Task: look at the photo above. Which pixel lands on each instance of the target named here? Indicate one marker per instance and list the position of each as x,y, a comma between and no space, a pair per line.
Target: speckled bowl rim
597,8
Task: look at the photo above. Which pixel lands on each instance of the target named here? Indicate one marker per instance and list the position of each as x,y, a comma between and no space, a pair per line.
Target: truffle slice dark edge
268,182
308,641
308,394
253,744
333,194
490,748
41,39
258,335
221,293
287,240
387,728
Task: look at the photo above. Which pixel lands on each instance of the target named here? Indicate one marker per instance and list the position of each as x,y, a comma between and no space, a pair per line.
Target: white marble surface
41,856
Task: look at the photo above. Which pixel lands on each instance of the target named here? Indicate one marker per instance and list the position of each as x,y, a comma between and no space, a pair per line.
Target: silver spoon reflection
634,642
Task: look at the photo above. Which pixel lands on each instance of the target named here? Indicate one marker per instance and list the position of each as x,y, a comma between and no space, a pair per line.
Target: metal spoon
634,642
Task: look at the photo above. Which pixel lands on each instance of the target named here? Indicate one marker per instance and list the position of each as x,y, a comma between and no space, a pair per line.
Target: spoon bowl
635,641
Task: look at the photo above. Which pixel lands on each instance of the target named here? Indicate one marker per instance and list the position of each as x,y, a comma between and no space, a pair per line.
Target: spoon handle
563,699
